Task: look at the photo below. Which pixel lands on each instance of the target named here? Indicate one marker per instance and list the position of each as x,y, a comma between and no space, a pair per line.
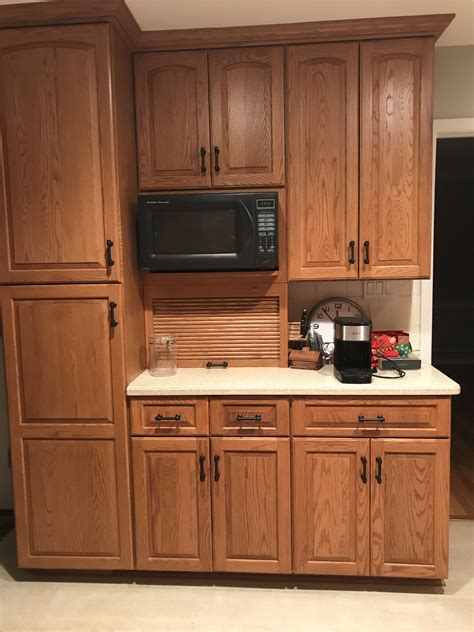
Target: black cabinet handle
363,419
108,253
203,153
113,322
366,250
254,418
217,151
363,476
352,251
378,474
176,417
213,365
216,468
202,473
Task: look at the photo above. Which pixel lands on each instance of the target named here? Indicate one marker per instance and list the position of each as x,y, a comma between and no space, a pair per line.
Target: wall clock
321,319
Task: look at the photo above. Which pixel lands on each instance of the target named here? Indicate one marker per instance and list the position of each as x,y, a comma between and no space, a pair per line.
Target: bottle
162,360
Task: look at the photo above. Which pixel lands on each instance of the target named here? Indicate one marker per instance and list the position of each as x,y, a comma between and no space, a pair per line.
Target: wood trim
298,33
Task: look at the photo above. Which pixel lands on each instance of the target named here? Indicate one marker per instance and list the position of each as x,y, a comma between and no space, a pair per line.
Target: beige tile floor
32,601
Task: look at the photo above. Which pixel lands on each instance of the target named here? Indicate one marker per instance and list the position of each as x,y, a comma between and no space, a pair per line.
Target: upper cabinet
372,221
323,160
228,133
396,158
57,201
172,120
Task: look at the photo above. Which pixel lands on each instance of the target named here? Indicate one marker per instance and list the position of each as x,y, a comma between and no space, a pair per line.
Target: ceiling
184,14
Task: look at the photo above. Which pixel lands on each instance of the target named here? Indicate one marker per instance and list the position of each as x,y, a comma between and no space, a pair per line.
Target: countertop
279,381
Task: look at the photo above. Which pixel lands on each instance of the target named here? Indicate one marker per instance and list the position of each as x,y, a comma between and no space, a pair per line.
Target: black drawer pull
113,322
242,418
108,253
366,250
202,473
352,252
363,476
176,417
213,365
217,151
203,159
216,468
363,419
378,474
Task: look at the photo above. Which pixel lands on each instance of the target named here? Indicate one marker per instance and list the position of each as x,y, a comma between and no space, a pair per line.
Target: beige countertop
275,381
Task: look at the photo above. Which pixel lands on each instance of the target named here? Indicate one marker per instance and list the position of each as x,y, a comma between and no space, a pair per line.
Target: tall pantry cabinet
73,329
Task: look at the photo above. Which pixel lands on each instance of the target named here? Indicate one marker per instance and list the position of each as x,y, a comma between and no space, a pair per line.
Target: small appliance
352,349
208,232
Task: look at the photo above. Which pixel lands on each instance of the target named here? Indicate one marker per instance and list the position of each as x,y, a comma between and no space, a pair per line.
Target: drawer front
388,417
250,417
169,417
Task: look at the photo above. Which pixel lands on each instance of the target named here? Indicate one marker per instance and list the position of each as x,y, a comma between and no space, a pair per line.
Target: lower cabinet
251,505
384,500
172,504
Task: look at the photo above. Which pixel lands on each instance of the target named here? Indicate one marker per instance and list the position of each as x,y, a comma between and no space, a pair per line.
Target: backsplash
389,304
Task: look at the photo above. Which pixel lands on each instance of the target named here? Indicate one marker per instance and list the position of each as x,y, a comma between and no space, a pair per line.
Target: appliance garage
169,408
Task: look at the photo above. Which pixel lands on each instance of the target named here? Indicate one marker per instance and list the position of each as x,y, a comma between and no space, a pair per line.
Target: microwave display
187,232
201,232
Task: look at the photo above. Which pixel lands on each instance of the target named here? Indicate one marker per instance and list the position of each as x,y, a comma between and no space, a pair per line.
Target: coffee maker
352,350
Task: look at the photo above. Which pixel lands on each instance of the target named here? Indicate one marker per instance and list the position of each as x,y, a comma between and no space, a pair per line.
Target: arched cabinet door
57,200
172,120
247,116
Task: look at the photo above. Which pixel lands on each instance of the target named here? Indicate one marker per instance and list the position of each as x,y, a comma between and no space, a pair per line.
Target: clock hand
328,314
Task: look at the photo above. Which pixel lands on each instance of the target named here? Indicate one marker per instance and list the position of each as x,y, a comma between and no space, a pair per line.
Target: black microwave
208,232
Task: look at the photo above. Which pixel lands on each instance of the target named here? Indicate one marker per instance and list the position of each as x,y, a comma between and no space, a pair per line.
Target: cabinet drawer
171,416
251,417
388,417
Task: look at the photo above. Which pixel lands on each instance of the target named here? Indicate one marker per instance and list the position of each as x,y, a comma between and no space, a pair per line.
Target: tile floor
33,601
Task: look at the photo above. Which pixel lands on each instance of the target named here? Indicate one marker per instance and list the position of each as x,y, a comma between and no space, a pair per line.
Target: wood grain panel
396,157
57,203
245,325
247,118
172,119
402,417
193,416
330,506
251,505
410,508
274,416
322,160
172,504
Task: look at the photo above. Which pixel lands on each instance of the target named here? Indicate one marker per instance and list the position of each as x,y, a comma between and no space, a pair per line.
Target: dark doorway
453,305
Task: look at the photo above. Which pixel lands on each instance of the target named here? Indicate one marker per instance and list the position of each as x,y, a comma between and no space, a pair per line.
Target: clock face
323,314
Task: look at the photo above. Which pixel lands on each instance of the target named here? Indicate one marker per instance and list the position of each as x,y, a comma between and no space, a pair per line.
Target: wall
454,82
5,479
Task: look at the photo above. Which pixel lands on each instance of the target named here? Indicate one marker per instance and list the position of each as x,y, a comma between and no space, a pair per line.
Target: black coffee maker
352,350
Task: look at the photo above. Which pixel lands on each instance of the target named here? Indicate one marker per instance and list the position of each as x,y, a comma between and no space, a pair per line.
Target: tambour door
57,175
323,92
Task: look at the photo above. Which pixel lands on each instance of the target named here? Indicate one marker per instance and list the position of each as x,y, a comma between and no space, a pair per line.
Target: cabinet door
331,493
396,158
57,199
323,156
247,116
172,504
251,505
172,100
410,507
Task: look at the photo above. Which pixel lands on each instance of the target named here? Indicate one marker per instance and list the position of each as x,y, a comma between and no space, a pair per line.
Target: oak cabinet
373,221
410,507
251,505
396,158
57,199
323,160
172,504
198,132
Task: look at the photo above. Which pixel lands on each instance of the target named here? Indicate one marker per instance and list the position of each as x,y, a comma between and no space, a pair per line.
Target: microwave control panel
266,226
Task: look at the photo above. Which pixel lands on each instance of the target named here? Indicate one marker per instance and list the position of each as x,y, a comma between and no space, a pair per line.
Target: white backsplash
389,304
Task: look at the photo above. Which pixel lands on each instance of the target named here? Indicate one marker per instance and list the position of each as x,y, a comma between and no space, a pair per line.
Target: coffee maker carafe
352,350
